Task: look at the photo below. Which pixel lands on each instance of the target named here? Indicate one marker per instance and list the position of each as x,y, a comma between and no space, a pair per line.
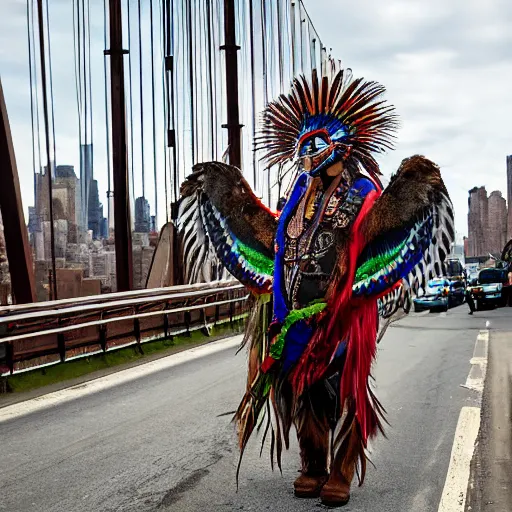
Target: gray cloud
447,67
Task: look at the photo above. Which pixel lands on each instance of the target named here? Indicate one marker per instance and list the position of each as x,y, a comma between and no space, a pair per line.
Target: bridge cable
76,58
191,80
253,93
50,74
141,100
265,78
161,7
32,116
213,137
173,111
53,281
89,74
153,105
107,124
130,82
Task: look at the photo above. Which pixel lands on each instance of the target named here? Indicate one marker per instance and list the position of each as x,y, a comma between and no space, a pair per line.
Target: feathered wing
402,240
218,205
408,233
506,255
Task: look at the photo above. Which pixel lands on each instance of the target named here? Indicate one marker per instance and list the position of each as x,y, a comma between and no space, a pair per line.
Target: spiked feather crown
326,120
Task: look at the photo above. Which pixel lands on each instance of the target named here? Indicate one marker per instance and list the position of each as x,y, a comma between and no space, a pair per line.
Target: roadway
164,442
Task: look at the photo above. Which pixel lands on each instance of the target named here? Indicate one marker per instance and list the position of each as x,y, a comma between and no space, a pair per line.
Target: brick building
497,223
478,216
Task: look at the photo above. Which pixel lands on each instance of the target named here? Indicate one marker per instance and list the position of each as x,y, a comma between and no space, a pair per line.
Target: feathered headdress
329,119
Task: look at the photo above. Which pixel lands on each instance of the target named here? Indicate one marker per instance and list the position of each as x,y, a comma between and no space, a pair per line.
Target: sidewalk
490,487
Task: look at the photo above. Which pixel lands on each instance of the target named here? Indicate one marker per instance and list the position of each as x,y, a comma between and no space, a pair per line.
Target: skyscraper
86,177
487,222
497,232
142,215
478,214
95,211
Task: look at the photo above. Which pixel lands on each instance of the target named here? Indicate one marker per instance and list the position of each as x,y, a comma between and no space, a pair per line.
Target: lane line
454,494
115,379
453,498
476,377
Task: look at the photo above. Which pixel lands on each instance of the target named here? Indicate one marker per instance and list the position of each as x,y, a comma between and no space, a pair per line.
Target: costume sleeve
218,205
408,233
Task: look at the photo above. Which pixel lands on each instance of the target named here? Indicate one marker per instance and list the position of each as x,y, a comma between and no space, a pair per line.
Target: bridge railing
42,334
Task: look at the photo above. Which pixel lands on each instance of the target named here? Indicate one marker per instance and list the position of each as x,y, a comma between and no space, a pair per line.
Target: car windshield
491,276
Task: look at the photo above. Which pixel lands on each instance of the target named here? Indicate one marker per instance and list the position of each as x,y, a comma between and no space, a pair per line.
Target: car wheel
416,309
478,305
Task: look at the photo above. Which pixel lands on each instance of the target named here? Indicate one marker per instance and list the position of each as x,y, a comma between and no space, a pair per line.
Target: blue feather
280,307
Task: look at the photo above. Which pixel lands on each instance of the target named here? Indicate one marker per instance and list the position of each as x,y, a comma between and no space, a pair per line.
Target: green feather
259,262
276,350
375,264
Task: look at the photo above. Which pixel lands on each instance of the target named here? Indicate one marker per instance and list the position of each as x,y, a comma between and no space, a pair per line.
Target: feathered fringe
355,323
259,402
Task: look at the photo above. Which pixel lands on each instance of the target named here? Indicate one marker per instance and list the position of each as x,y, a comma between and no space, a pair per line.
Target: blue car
440,294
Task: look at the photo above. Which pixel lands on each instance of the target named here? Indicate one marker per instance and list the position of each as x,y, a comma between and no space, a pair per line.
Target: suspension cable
130,82
253,91
76,56
90,83
161,6
173,112
141,100
153,104
209,77
265,80
30,65
47,141
84,85
280,47
50,74
107,124
191,81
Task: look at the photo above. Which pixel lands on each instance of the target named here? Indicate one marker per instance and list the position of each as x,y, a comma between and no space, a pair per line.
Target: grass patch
34,379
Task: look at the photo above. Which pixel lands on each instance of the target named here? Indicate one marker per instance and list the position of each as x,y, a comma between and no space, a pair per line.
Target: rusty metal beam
122,223
16,238
230,47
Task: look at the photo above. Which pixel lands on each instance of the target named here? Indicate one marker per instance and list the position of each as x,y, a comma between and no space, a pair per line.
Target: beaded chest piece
310,244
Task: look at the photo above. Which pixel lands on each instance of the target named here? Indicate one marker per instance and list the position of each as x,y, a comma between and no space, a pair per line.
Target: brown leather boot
306,486
314,449
336,492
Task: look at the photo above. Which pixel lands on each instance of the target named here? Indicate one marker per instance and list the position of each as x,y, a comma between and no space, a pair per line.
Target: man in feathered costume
340,253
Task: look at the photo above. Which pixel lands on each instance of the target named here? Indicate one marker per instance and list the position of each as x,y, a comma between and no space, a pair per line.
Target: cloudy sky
447,66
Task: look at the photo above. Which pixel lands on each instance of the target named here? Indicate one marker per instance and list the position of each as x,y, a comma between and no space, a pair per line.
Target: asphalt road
164,442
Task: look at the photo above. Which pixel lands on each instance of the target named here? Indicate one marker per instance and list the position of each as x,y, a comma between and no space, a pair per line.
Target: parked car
489,288
440,294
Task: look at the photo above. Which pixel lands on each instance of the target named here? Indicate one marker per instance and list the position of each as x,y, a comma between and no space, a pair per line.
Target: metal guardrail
41,334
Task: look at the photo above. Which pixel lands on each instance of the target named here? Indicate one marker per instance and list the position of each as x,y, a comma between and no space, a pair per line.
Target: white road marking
476,377
453,498
115,379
